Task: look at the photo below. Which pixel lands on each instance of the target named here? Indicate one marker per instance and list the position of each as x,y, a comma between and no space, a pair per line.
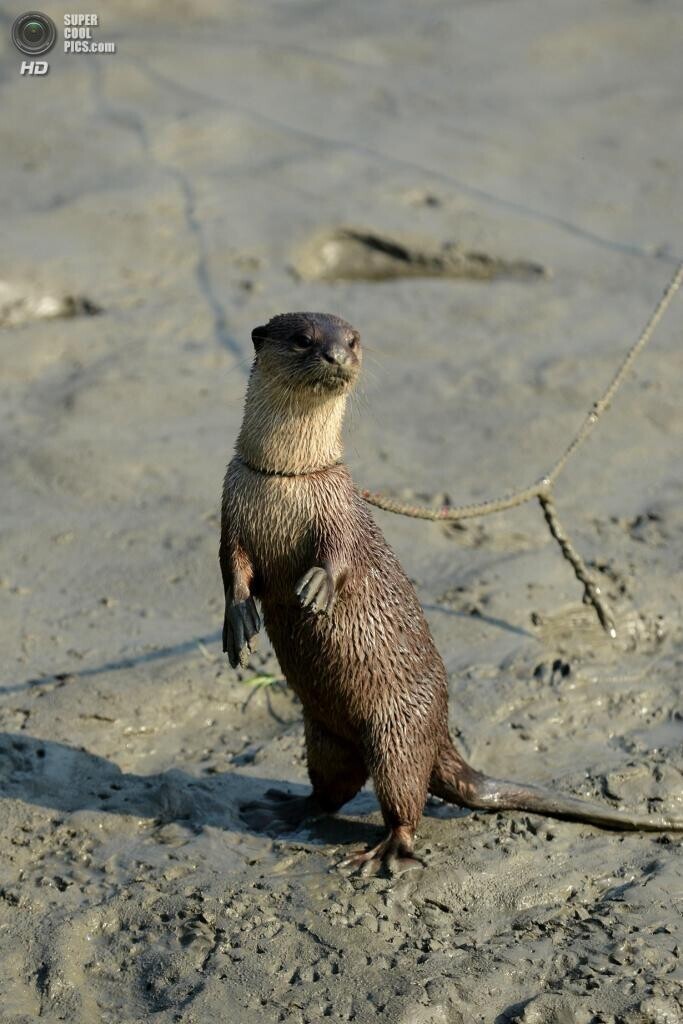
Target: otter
342,616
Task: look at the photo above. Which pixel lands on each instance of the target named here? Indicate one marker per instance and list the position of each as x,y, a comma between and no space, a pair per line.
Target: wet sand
157,203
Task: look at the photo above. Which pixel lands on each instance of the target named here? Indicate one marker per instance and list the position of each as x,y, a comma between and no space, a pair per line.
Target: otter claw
241,624
315,590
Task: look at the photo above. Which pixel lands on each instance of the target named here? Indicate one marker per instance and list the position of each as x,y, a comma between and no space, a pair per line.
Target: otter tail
455,781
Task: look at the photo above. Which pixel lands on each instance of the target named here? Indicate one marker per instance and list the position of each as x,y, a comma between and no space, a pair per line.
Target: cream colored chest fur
273,518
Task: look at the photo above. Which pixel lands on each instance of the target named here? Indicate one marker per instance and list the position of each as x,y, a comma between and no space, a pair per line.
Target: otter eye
353,343
301,341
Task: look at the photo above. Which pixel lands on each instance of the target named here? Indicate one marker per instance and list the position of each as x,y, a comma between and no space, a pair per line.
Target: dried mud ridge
23,303
350,254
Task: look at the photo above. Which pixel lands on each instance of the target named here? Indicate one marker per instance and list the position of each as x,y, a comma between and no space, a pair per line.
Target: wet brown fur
359,655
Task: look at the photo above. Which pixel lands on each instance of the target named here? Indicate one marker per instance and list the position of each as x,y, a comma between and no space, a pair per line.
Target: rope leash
542,489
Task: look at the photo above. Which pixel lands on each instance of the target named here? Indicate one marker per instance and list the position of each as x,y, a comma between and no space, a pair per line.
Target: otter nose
335,351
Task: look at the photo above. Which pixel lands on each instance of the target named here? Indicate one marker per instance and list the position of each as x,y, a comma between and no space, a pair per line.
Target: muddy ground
492,193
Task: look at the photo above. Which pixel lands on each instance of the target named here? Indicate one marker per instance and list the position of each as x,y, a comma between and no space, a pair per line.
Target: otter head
310,352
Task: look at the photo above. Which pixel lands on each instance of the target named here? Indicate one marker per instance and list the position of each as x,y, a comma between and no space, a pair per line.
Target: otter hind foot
394,854
241,624
280,812
315,590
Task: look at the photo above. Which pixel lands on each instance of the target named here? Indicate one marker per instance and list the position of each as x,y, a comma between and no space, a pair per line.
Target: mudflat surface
189,187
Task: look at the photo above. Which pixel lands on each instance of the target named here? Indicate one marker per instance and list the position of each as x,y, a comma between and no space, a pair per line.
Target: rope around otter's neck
284,472
542,489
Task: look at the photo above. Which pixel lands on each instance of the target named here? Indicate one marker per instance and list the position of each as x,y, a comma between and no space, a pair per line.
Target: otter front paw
240,626
315,590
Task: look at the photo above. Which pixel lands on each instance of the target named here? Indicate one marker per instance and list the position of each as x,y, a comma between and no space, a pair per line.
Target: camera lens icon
34,33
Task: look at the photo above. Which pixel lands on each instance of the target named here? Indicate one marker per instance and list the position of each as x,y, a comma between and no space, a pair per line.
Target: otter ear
258,336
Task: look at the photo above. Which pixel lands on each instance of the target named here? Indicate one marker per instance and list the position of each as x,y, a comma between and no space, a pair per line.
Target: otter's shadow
67,779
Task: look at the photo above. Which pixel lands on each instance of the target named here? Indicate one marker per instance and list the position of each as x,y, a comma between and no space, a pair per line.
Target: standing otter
342,616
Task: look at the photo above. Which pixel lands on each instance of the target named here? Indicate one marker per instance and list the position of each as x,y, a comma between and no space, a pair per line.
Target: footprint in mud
650,527
349,254
279,811
576,629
